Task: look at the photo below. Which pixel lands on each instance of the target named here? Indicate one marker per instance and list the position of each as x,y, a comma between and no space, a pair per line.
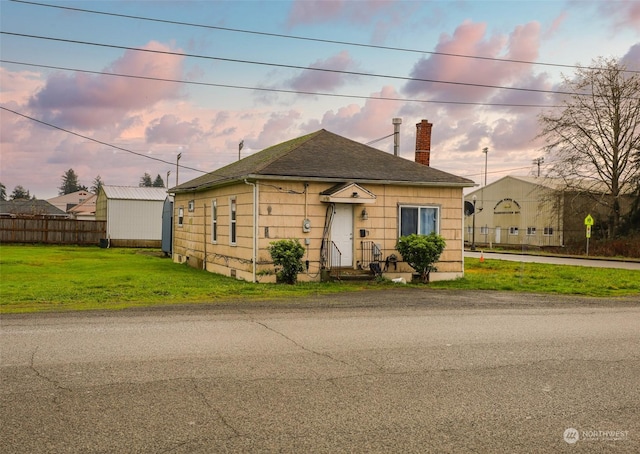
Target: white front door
498,234
342,232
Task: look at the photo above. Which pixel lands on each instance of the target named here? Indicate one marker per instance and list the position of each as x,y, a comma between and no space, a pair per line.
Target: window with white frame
513,231
180,216
232,221
214,221
484,230
548,231
422,220
531,230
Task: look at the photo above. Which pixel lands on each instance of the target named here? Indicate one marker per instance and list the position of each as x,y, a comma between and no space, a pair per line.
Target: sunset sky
119,88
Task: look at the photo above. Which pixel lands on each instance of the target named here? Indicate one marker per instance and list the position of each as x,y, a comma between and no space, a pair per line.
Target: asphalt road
555,260
395,371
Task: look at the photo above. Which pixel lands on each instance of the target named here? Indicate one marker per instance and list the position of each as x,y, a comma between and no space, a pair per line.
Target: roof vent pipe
396,135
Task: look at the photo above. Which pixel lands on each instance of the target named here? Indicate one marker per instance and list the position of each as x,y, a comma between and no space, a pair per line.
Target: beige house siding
282,208
528,203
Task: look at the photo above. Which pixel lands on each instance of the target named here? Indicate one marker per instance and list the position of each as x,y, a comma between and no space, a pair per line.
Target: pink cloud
469,39
87,101
169,129
365,123
324,80
624,13
278,128
556,25
632,58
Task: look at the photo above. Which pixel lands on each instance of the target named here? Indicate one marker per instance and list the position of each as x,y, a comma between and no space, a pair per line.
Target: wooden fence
52,231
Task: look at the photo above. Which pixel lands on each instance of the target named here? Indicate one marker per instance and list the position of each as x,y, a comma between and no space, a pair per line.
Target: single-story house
30,208
133,215
535,211
347,203
67,201
85,210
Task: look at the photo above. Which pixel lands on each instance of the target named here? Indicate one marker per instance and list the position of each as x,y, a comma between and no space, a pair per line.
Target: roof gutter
228,181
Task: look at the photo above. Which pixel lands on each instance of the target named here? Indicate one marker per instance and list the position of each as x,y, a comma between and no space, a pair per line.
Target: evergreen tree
70,183
145,181
97,184
158,182
3,192
20,193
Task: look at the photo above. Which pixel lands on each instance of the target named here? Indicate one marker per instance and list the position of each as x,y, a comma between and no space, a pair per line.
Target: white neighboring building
133,215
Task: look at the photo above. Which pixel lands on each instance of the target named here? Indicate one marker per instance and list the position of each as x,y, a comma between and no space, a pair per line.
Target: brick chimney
423,142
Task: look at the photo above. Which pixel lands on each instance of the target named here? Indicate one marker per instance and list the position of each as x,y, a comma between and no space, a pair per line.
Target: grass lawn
45,278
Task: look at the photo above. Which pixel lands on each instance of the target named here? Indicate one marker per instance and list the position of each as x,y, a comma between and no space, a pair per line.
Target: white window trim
233,223
547,231
531,231
180,216
436,207
214,221
514,231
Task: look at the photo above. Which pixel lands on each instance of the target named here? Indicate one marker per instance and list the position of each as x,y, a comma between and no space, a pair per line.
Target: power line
304,38
98,141
297,67
276,90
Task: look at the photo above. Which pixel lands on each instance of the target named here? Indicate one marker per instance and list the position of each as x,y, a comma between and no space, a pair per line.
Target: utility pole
177,166
538,161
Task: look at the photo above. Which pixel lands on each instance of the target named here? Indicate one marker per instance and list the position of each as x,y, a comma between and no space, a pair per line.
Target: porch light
364,214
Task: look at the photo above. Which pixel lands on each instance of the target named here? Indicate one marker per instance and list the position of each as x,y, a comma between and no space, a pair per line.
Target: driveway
597,263
406,370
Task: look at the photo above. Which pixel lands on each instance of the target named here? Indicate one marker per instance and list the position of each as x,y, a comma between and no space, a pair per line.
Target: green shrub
287,254
421,252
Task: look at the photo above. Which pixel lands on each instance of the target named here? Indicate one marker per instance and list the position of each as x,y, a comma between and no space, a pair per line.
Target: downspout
462,222
255,227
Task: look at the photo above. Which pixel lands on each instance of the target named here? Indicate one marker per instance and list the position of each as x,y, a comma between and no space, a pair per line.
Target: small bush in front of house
287,257
421,252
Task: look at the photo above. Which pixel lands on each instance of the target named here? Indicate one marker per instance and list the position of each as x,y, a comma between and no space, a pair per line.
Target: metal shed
133,215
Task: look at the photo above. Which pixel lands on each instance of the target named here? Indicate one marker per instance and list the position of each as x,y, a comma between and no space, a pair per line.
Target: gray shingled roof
326,156
30,207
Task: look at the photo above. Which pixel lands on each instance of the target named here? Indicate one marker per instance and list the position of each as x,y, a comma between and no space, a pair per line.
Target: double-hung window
232,221
180,216
422,220
214,221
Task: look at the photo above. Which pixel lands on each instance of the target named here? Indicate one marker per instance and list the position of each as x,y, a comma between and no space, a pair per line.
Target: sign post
588,222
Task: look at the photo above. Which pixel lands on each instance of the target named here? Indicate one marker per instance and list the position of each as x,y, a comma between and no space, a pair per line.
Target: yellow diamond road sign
588,220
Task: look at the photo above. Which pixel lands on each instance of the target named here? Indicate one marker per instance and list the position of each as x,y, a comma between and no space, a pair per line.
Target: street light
485,150
473,227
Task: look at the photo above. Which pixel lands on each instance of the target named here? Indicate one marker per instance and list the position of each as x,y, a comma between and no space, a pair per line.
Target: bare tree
594,137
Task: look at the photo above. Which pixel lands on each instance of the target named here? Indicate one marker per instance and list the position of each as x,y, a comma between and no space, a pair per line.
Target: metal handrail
370,253
335,259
